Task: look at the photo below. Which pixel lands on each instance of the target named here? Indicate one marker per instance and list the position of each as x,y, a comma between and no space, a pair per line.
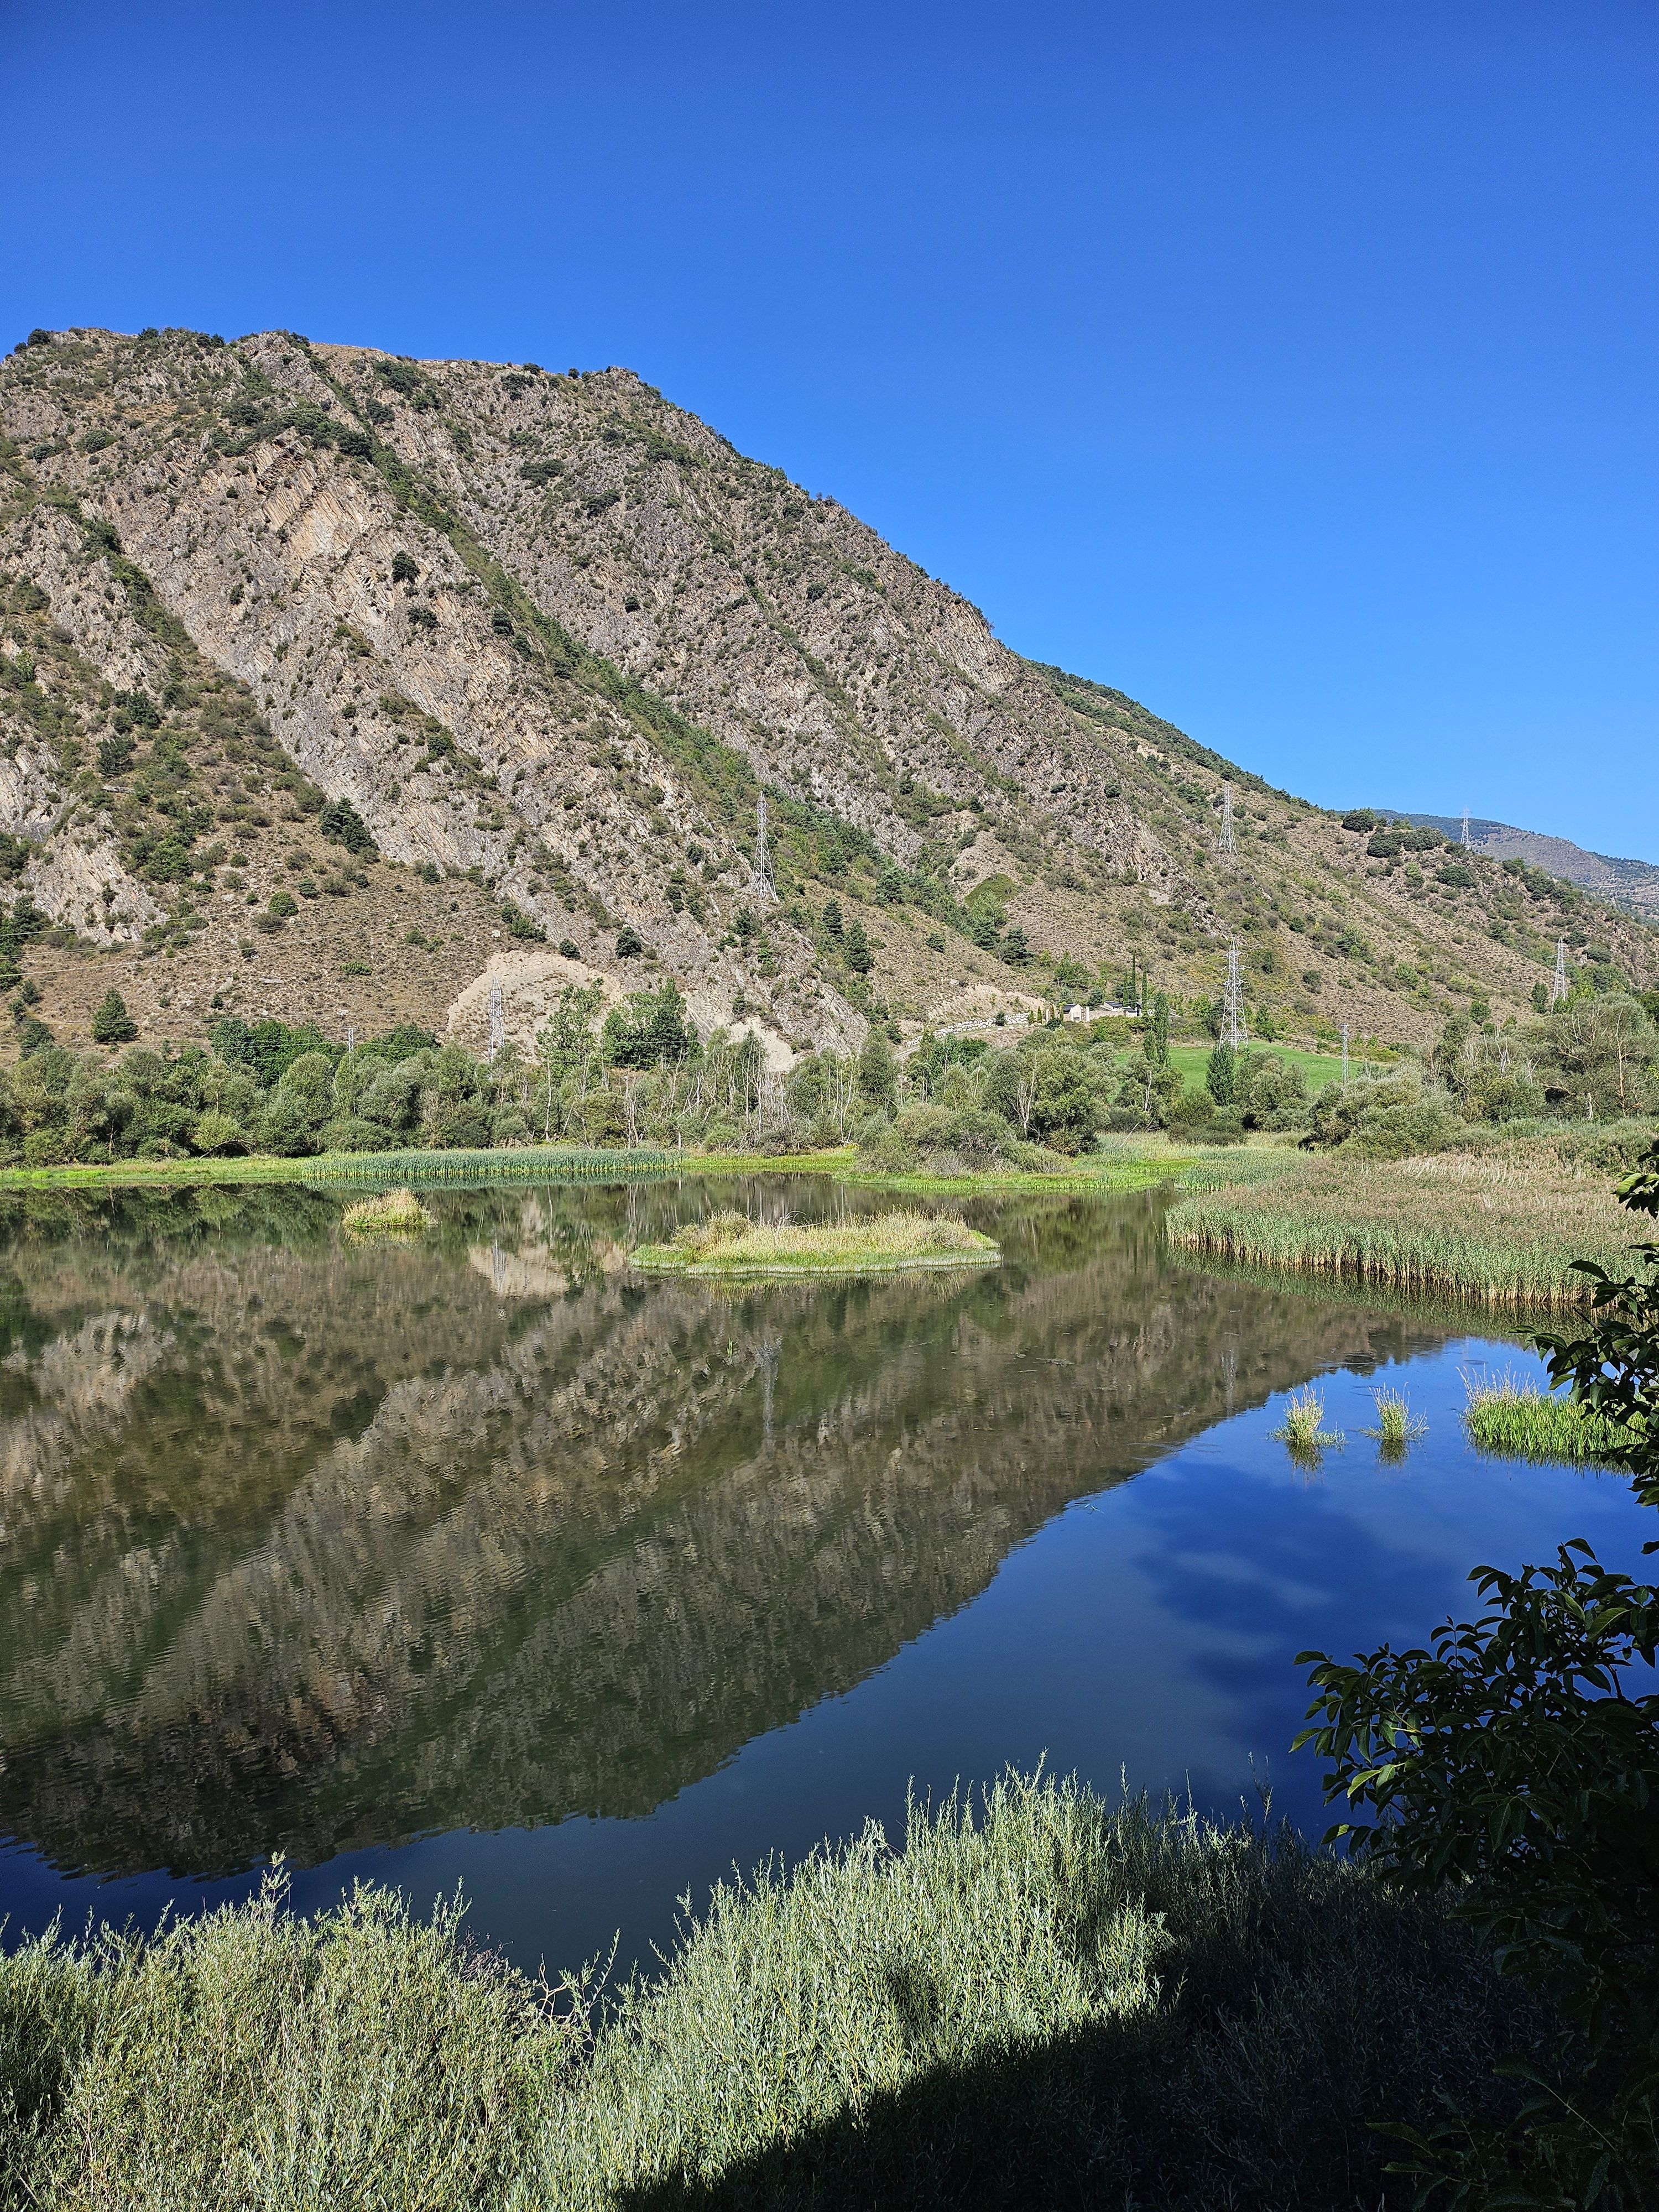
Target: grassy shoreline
1040,1998
1141,1167
1496,1231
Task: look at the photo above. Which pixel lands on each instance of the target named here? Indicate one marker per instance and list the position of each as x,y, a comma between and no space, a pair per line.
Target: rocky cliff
457,661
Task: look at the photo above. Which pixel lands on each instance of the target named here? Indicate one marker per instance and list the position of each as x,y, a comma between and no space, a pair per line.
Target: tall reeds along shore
1500,1231
1043,2000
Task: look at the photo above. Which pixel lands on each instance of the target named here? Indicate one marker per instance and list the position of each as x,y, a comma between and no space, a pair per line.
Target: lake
485,1562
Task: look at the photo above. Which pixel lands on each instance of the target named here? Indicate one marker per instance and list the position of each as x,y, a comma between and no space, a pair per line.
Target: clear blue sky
1288,363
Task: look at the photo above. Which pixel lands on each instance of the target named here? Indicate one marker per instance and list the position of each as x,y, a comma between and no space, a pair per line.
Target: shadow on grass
1276,2117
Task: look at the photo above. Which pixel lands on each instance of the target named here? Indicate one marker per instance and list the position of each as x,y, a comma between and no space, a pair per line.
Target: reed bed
1489,1229
731,1244
1039,1999
538,1163
1515,1419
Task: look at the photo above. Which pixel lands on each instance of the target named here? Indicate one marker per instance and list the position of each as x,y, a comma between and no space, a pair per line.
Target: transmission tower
1232,1006
1558,988
497,1021
1227,841
760,874
1466,829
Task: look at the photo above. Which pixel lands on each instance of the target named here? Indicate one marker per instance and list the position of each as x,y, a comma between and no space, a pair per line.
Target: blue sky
1286,363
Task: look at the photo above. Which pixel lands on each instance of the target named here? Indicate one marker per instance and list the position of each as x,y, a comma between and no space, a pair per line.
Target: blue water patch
1144,1635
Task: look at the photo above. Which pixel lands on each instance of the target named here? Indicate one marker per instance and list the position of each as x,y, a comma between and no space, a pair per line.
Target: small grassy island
731,1244
391,1213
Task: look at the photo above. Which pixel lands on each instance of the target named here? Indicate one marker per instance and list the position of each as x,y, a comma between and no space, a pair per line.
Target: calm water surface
487,1563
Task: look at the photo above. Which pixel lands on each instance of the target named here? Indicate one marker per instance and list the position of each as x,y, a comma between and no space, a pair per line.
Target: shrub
110,1022
520,924
341,824
283,904
1384,1120
215,1132
629,942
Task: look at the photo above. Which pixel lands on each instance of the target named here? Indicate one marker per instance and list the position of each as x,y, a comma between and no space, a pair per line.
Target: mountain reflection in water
307,1548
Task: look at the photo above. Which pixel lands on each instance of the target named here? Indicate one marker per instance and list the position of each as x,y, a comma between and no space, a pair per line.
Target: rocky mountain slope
335,684
1633,885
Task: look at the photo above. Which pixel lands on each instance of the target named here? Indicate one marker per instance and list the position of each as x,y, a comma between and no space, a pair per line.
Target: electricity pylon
1466,829
760,873
1558,988
1232,1006
1227,841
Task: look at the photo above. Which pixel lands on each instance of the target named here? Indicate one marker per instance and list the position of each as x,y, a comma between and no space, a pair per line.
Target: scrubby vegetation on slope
570,638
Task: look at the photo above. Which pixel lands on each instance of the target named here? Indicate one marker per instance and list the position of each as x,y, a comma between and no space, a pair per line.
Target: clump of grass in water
1041,1998
393,1214
1513,1419
1396,1424
731,1243
1302,1429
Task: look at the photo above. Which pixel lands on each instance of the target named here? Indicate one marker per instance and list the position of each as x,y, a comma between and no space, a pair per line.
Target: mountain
480,671
1633,885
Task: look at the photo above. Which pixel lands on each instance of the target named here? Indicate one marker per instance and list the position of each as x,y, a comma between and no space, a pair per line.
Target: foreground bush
1053,2003
1514,1769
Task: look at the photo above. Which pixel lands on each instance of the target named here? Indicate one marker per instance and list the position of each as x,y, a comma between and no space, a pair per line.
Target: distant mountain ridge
1632,885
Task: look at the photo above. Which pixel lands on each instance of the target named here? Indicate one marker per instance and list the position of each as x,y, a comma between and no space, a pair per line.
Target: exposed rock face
555,633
